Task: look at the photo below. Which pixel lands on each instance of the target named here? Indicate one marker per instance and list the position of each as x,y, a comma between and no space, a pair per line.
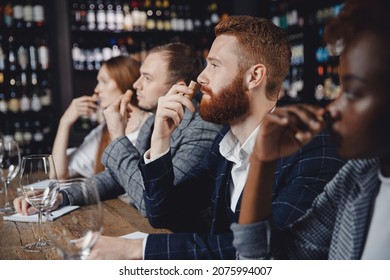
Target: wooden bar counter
119,219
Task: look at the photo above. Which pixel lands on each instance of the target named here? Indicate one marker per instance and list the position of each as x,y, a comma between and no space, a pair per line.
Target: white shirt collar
231,149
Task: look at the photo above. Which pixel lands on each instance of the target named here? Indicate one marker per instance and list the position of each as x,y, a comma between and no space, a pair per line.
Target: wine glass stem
40,234
6,204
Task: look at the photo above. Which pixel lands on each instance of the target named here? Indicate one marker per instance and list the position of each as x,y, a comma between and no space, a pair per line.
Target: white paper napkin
34,218
135,235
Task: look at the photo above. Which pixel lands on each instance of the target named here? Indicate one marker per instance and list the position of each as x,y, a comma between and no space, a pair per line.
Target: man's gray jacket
189,143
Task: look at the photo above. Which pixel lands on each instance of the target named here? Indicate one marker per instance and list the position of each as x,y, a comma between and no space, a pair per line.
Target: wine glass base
39,246
7,210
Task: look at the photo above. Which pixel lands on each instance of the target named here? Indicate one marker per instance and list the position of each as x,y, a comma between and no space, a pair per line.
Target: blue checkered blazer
334,228
182,207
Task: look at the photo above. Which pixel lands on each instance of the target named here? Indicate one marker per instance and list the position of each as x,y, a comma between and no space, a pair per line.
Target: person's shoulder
96,132
361,166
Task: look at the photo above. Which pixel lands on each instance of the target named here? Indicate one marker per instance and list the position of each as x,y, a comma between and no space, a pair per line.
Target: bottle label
33,58
28,13
46,98
22,57
18,137
43,55
18,12
27,136
91,19
38,13
24,103
3,106
8,15
38,136
101,19
13,105
36,105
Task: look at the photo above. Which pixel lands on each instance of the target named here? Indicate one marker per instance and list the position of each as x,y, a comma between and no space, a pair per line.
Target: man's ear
256,75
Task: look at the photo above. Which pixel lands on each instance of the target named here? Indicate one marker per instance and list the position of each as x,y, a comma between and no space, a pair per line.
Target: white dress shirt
82,158
378,238
231,149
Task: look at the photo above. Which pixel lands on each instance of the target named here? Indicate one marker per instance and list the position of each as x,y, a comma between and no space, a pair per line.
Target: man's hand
114,248
117,115
169,114
286,130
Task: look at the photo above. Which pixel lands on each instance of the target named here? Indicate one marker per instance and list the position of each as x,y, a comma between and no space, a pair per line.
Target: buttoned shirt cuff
147,158
252,241
144,246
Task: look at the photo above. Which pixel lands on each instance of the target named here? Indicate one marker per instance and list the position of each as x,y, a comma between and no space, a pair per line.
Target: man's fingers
129,93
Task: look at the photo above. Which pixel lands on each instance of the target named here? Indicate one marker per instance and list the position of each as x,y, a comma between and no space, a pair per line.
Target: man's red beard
228,106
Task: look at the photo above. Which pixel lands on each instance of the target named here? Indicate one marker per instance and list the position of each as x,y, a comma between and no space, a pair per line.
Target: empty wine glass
39,184
9,168
75,234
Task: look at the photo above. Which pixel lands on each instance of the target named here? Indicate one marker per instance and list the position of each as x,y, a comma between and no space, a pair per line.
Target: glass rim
35,156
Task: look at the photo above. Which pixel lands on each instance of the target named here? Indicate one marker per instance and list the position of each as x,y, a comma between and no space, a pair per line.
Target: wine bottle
3,103
33,57
8,15
159,16
27,135
18,15
3,100
25,103
13,101
189,23
150,12
119,16
37,134
36,104
166,15
46,97
12,64
22,57
180,17
38,14
28,14
101,16
75,18
83,16
98,58
91,16
2,57
127,19
90,59
43,55
110,16
18,135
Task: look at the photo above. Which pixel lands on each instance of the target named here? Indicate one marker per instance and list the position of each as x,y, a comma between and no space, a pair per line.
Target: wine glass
9,168
39,184
75,234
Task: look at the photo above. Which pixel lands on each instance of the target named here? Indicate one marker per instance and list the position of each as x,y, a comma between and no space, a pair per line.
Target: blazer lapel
357,218
145,135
